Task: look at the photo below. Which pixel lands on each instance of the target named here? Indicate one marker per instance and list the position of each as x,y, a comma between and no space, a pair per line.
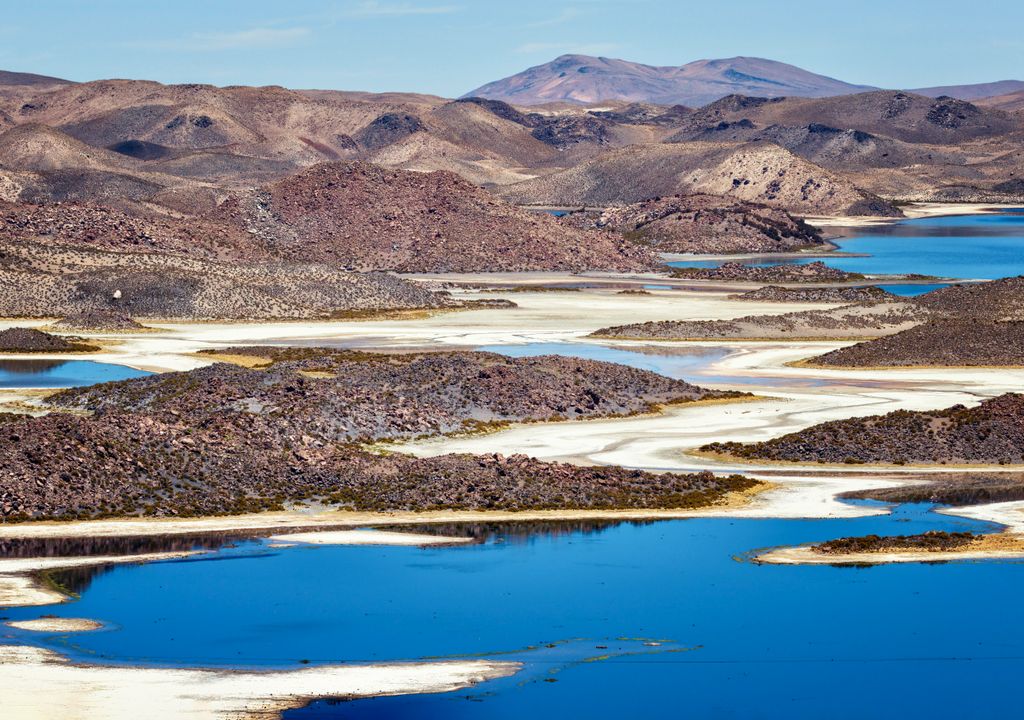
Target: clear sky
448,47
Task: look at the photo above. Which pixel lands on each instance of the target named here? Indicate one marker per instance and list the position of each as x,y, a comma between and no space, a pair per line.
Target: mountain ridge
585,79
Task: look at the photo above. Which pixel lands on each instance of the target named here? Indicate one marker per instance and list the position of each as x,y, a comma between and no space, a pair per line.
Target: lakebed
575,606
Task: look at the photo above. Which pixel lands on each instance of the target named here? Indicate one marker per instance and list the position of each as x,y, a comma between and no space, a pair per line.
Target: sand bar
56,624
41,684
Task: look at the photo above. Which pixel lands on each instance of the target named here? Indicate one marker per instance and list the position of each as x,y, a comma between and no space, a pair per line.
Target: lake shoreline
46,684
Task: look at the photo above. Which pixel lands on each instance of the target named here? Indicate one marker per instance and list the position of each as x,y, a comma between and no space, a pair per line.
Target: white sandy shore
805,555
540,317
41,685
19,585
913,211
1010,515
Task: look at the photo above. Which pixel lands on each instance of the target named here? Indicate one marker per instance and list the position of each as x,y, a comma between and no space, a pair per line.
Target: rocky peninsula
227,439
991,433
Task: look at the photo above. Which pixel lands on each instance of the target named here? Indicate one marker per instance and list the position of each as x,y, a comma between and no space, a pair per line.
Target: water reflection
29,367
520,531
39,373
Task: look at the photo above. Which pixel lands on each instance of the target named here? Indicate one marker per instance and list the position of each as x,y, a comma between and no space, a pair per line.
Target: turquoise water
752,640
909,290
981,247
61,373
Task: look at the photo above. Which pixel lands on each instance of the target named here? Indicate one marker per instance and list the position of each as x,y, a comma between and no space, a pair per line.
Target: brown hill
973,92
759,172
41,279
996,300
703,224
19,78
22,340
369,218
98,227
945,343
1010,102
278,130
991,433
37,147
227,439
892,114
356,399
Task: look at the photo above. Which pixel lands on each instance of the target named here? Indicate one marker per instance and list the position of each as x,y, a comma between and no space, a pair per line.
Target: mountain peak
586,79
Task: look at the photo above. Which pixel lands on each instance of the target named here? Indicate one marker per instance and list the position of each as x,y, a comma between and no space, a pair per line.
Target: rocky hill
93,226
346,396
859,320
20,78
944,343
973,92
888,114
730,271
365,217
996,300
25,340
586,79
42,280
991,433
226,439
703,224
761,173
1010,102
777,293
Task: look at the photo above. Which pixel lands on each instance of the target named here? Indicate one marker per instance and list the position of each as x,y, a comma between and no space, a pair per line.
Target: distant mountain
17,78
583,79
1010,102
973,92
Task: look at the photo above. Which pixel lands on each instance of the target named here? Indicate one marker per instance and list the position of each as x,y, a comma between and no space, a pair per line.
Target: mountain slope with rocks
365,217
759,173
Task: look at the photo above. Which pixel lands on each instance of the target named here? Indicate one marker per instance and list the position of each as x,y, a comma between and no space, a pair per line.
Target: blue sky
451,46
